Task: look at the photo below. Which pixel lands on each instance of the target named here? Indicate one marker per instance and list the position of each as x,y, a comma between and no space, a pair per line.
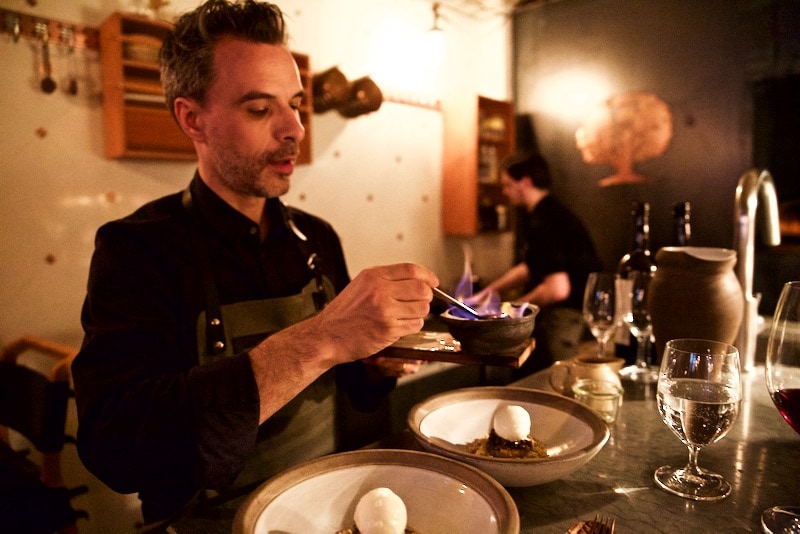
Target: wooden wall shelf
478,135
137,122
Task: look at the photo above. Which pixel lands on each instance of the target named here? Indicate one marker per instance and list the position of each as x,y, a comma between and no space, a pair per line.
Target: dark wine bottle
638,258
681,224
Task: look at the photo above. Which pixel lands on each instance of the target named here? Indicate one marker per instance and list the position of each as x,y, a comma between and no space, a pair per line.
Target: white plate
572,433
442,496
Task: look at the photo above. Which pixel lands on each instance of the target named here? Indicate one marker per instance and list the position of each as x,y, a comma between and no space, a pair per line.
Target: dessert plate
571,433
441,496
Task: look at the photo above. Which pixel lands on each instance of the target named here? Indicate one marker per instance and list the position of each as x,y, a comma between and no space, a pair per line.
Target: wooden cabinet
306,107
137,123
478,135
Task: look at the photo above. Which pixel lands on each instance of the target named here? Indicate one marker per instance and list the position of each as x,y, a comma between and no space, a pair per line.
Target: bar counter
760,457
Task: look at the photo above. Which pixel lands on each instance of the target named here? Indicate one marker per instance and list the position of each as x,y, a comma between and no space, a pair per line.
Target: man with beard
218,321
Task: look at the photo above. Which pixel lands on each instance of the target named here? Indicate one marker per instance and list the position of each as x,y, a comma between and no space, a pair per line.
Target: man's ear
187,112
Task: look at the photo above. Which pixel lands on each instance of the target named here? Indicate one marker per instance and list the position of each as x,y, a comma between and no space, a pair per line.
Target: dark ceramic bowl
501,336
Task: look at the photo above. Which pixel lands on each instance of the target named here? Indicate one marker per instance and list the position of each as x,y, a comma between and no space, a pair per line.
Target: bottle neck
680,236
682,229
641,238
639,258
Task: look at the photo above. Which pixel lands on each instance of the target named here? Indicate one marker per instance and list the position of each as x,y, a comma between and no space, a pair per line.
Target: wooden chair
33,497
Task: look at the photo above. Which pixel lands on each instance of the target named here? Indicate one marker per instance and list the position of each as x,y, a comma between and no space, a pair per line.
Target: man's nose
291,127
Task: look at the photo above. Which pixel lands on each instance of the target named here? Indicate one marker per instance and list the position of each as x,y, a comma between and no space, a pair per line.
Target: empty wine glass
637,319
699,393
599,308
783,384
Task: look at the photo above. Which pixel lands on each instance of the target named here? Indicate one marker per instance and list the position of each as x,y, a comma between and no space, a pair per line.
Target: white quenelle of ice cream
381,511
512,422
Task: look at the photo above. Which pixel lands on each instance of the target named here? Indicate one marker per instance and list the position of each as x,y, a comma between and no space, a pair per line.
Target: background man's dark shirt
556,240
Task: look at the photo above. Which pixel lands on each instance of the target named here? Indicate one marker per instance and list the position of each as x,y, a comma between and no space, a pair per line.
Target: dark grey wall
700,58
686,52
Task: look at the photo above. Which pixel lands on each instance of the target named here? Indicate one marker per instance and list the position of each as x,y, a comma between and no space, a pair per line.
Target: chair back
34,403
33,406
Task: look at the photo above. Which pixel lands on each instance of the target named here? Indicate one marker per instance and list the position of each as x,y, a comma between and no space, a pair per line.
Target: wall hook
12,26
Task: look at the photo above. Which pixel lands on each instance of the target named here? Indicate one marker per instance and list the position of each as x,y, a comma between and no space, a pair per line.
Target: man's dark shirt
151,420
556,240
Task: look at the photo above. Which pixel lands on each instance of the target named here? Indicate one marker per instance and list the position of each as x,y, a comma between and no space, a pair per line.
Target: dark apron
305,427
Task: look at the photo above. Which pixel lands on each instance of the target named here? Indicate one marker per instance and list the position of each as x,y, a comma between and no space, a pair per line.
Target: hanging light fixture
409,56
436,16
435,37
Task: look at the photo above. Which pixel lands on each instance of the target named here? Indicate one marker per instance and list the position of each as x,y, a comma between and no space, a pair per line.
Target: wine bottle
681,224
638,258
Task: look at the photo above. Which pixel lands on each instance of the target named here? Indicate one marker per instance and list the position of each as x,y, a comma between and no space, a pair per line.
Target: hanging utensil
47,83
68,36
12,26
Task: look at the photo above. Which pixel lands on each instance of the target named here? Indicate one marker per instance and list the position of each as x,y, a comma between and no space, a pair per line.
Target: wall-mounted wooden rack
410,99
18,24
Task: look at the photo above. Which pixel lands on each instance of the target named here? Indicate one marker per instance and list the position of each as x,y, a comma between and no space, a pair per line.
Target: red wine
788,403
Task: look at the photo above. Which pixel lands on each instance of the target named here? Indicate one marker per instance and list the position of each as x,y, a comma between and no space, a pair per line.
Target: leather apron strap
305,427
247,323
216,342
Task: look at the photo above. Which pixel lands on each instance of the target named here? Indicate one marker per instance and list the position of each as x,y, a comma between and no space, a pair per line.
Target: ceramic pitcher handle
559,372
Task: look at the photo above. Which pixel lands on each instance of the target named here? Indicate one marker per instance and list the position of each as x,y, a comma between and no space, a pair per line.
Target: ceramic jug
695,294
564,373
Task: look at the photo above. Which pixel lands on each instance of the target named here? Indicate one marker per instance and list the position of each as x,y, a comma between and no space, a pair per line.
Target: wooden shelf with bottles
478,135
137,123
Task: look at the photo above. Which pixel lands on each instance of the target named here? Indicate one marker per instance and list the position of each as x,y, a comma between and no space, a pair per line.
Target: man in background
558,255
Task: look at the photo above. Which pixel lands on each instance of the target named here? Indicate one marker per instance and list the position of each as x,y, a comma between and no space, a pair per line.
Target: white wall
376,178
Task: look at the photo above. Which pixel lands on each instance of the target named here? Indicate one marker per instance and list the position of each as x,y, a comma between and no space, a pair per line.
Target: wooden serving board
441,347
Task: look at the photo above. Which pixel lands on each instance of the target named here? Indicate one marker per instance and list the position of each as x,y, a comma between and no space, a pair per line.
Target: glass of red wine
783,384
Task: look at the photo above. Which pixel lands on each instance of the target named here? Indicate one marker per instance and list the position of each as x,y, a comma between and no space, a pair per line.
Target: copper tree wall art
622,130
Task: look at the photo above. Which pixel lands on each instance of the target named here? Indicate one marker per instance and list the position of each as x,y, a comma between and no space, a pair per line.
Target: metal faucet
755,188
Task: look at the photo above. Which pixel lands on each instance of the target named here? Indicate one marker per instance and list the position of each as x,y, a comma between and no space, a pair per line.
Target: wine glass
699,393
783,383
637,319
599,308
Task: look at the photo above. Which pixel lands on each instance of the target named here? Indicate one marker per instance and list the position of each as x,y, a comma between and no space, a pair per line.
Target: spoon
47,83
68,36
457,303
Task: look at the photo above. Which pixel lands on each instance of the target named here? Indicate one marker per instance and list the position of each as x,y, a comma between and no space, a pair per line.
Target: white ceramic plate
572,433
442,496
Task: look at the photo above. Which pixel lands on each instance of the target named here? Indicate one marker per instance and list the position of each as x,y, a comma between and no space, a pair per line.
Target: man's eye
260,112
